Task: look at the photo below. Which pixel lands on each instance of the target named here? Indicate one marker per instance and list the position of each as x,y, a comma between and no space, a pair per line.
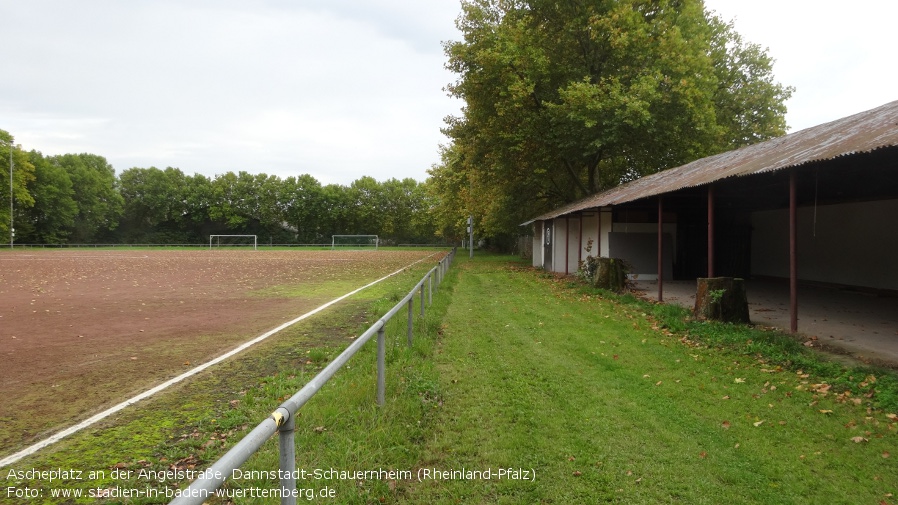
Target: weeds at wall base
770,348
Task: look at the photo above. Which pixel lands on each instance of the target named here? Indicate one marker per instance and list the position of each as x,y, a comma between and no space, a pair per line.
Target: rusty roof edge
860,133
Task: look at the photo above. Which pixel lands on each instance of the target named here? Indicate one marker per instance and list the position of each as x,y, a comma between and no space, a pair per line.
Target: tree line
562,99
79,199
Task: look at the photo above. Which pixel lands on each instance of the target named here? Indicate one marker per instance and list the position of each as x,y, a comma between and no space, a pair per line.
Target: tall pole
471,236
793,252
710,230
660,249
12,229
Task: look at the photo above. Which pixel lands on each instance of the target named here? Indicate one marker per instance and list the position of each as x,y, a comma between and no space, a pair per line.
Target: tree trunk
610,274
721,299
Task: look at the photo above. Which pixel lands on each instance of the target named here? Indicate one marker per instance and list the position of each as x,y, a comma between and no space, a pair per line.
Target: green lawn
602,404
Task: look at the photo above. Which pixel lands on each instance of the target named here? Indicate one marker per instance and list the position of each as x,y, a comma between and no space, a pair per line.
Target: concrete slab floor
863,325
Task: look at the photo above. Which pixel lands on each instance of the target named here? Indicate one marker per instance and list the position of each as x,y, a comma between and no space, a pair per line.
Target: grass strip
605,404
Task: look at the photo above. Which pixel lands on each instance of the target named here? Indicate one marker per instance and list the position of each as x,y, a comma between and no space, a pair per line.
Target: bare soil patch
81,330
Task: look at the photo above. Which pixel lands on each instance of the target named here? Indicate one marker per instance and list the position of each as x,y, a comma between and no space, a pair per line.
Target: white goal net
222,241
354,241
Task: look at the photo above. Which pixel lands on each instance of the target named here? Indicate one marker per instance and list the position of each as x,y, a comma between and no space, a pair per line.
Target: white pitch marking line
146,394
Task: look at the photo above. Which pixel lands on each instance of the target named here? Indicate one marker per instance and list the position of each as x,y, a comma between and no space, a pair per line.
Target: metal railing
283,419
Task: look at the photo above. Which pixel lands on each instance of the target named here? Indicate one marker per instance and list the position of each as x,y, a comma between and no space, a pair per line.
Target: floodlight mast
12,229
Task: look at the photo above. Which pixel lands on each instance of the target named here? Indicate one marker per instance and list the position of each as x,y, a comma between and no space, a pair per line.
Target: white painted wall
855,244
590,232
538,244
558,241
606,229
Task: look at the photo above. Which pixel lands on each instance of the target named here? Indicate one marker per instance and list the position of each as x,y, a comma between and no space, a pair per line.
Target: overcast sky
334,88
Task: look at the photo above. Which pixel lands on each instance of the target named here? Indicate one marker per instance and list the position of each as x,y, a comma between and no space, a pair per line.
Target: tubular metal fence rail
283,419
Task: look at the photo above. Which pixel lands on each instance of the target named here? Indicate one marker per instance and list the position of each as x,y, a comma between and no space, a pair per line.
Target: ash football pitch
83,329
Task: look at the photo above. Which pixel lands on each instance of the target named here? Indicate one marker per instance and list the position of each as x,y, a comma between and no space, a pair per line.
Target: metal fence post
287,451
422,298
411,317
430,288
282,420
381,366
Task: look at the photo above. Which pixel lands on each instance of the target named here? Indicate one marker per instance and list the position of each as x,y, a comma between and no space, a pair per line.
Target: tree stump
610,274
721,299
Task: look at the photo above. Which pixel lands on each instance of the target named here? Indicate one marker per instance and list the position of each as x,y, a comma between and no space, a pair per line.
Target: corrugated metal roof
860,133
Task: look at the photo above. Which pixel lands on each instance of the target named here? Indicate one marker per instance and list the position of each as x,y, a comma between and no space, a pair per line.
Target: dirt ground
81,329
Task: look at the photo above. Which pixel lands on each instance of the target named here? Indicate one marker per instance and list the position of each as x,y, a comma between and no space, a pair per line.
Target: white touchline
193,371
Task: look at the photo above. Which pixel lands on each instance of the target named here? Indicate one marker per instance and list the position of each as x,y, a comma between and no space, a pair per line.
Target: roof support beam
710,230
793,252
660,249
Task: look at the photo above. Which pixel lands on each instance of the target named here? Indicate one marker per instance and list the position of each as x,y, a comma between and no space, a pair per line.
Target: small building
816,206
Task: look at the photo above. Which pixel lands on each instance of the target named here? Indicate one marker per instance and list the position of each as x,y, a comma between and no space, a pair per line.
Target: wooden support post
793,252
710,230
660,249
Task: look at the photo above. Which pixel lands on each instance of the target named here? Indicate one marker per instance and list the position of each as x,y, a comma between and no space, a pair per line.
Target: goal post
354,241
233,241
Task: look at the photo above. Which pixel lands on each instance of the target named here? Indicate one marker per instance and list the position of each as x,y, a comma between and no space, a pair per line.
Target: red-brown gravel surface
83,329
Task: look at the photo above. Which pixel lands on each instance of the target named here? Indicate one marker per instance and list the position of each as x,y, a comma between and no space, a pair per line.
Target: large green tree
100,205
151,196
303,204
50,219
22,176
567,98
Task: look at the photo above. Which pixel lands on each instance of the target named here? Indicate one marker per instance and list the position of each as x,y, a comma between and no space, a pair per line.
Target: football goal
354,241
219,241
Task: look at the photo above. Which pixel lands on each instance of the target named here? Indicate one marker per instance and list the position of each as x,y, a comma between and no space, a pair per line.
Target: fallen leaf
759,423
826,411
740,380
725,425
703,454
577,473
885,454
858,440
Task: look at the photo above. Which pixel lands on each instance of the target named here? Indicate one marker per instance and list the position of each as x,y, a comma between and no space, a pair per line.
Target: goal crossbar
355,240
217,240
